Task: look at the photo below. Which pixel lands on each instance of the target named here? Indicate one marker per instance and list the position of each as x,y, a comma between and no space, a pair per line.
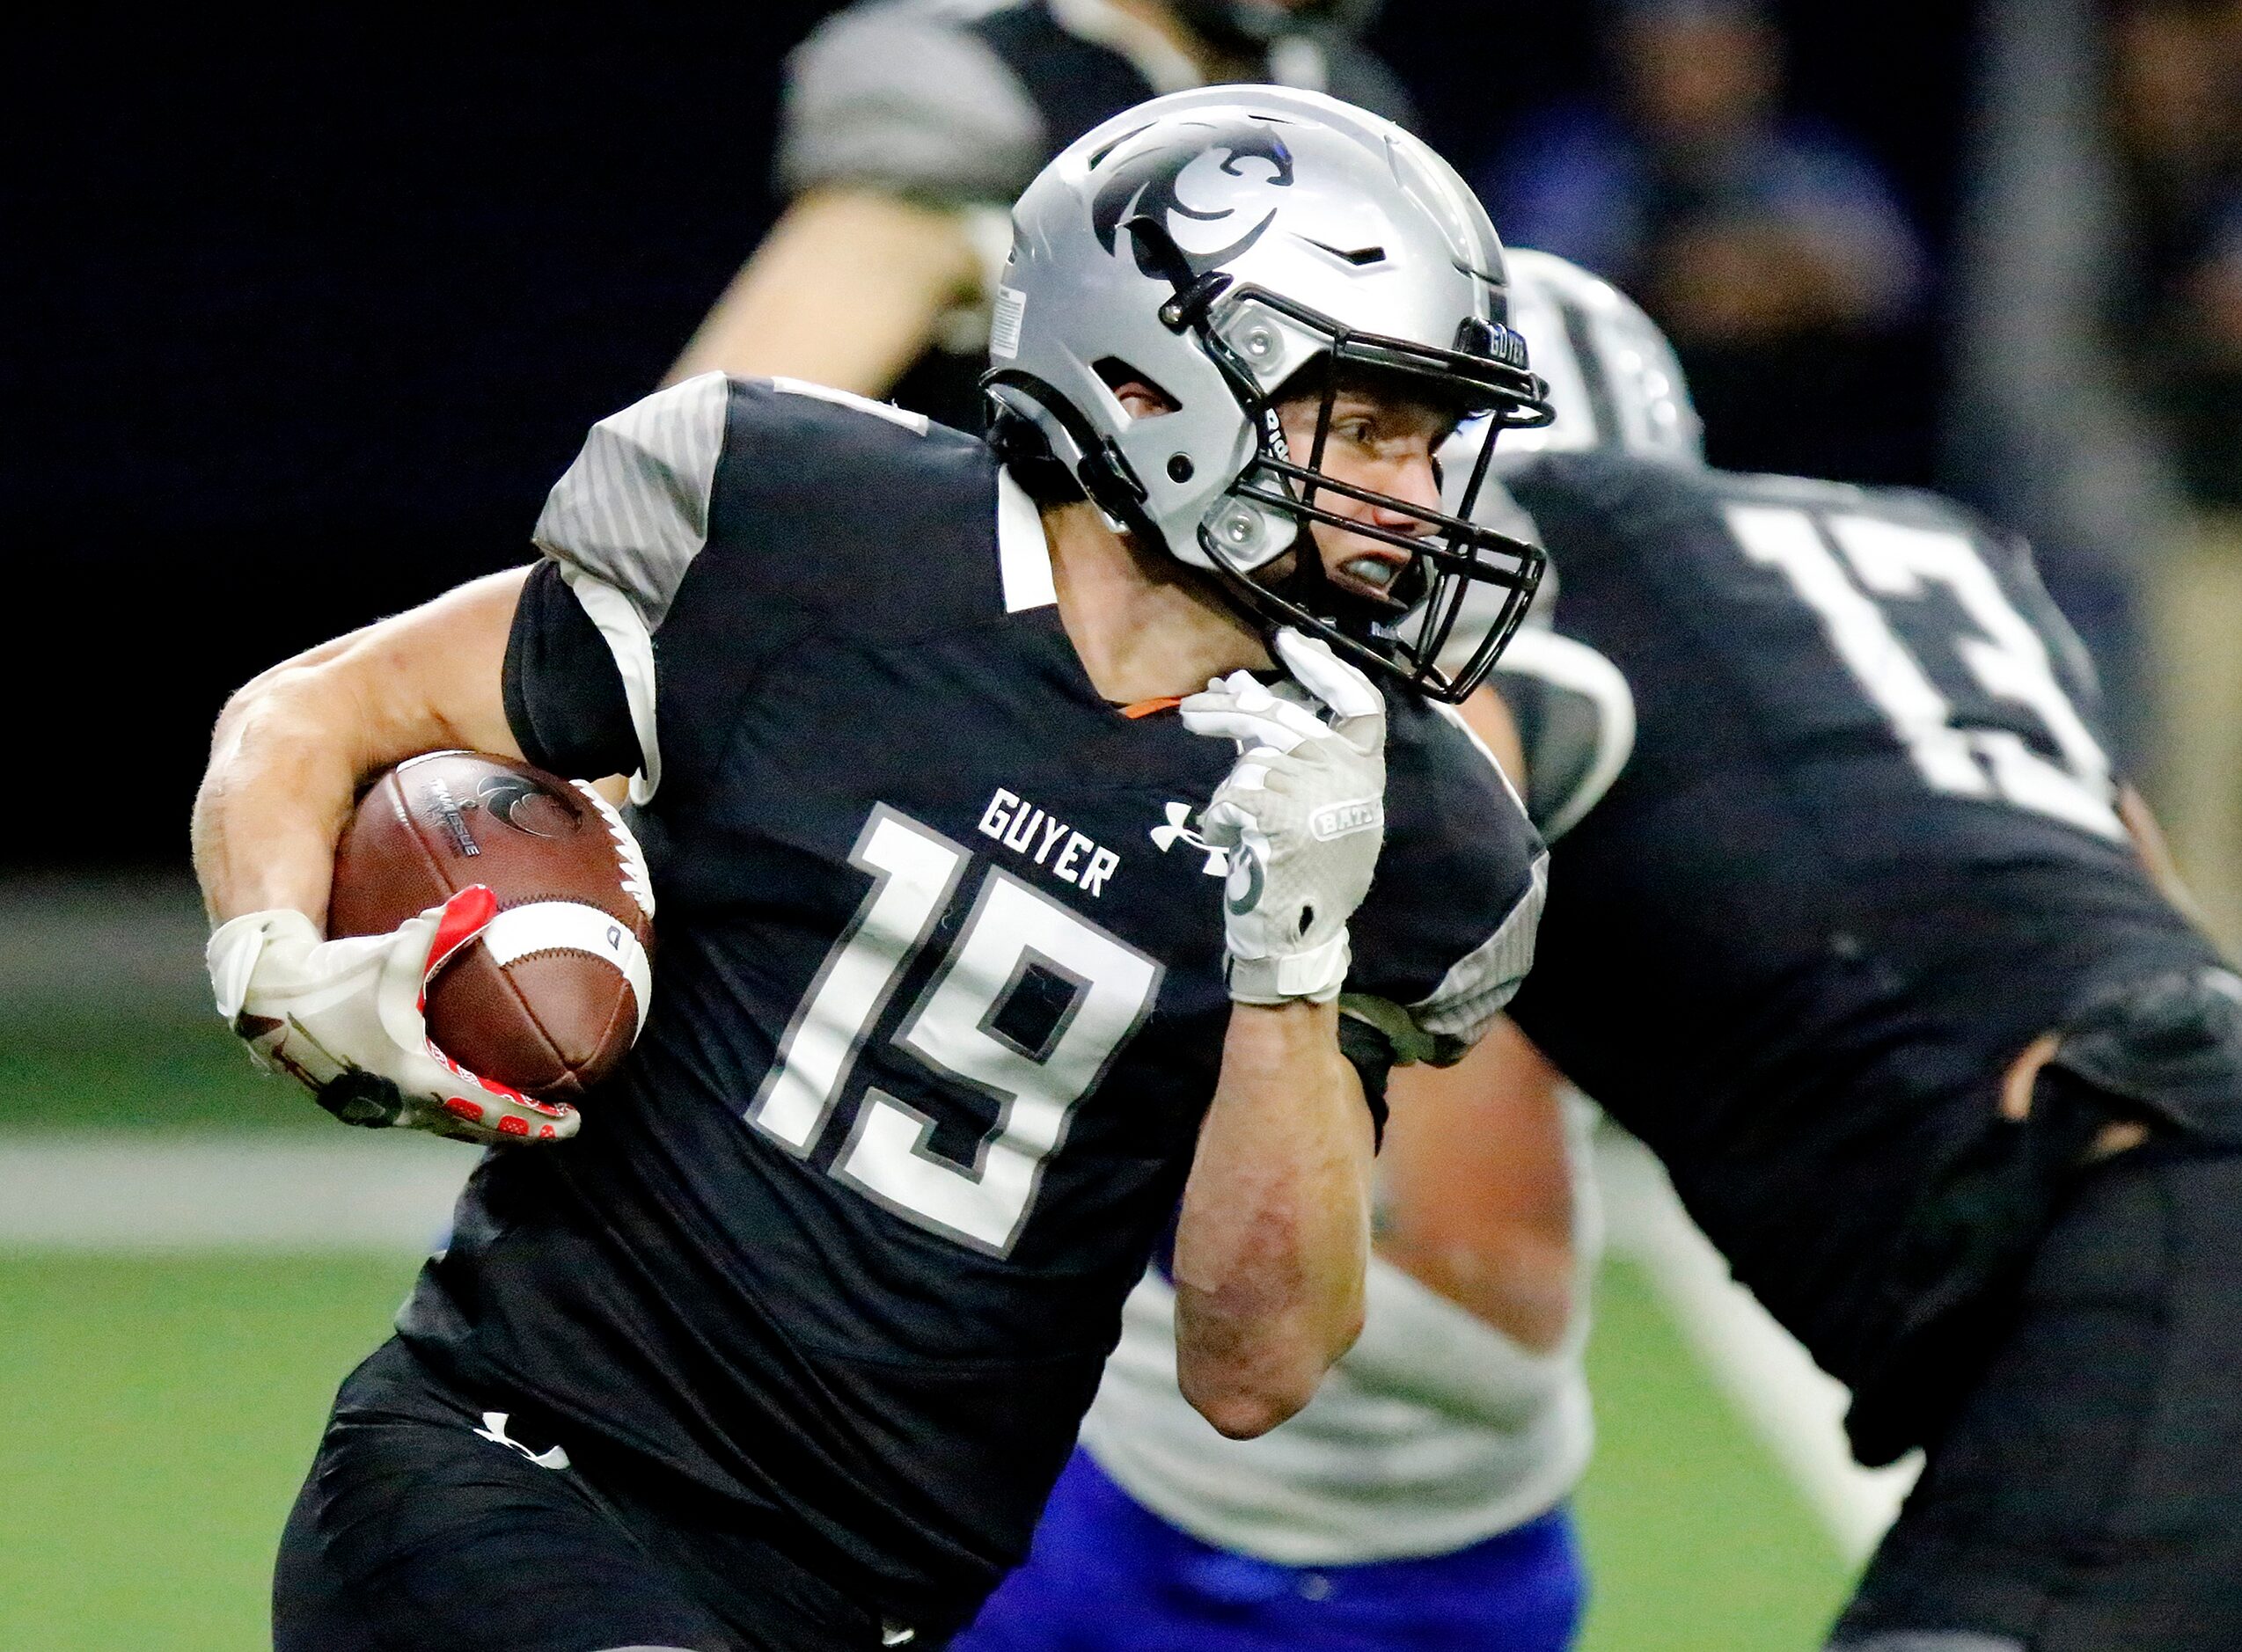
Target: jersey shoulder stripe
818,509
1448,930
1480,983
633,510
651,484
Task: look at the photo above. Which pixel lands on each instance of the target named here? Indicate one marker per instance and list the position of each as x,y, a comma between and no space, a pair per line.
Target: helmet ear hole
1141,394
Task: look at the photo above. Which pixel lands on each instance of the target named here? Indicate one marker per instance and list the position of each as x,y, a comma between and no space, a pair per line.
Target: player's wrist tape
346,1019
1315,975
236,945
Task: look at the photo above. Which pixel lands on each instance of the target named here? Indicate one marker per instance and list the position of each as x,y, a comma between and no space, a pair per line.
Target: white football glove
346,1019
1302,815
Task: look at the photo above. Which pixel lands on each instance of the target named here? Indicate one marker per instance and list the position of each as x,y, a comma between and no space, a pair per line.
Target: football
554,993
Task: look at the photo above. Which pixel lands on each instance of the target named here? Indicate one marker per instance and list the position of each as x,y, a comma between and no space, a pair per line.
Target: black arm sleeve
564,697
1372,1053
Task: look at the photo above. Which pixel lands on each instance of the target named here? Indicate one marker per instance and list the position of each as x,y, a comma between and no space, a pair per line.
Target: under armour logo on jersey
494,1429
1178,829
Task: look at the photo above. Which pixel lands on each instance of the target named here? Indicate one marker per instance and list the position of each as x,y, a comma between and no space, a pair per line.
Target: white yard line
131,1191
1797,1411
134,1193
123,947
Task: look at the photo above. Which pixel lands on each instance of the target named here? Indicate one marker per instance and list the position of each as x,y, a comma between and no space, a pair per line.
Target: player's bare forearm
1275,1228
293,744
844,290
2148,842
1475,1187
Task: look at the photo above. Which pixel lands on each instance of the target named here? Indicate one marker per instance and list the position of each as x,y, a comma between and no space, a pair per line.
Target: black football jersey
938,999
1863,850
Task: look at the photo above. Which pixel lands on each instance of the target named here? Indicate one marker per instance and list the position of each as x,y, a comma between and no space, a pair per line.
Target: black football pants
2088,1495
429,1524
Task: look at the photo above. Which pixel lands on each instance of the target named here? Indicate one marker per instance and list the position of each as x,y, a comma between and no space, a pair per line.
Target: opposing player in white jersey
1420,1499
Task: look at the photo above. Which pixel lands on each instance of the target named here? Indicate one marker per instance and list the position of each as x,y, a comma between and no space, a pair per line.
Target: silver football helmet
1613,379
1223,245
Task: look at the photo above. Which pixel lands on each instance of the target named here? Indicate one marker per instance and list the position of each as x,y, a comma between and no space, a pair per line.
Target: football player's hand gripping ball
346,1019
1302,815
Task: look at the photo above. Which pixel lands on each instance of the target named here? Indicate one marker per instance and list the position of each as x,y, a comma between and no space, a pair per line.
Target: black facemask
1403,632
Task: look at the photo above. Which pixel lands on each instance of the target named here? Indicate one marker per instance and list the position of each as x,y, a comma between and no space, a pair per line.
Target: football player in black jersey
963,981
1867,942
909,127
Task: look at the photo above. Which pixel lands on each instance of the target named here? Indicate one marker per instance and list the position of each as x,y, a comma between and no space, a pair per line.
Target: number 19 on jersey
1087,993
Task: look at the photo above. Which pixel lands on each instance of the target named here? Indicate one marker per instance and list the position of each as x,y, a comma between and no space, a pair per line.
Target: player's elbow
1243,1410
1247,1386
268,698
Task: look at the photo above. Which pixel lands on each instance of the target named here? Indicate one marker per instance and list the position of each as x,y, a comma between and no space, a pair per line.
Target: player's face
1380,440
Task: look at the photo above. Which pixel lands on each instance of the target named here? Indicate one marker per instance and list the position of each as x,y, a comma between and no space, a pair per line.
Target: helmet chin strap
1305,585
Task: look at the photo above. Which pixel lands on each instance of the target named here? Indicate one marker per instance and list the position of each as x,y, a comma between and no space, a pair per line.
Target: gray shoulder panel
900,96
1458,1010
1474,991
633,510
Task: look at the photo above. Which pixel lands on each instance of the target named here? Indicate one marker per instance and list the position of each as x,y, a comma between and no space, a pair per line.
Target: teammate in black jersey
909,127
962,981
1865,942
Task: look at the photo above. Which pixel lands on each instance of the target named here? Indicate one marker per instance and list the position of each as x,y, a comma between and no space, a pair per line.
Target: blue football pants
1107,1575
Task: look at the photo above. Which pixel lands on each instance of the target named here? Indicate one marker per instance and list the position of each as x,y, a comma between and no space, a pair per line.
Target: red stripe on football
544,1002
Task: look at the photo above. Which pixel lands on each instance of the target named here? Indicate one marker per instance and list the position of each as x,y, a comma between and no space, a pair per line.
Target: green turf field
176,1071
1695,1540
159,1413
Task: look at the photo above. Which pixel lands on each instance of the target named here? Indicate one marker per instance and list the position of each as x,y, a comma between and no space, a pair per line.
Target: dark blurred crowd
1769,242
367,296
2176,109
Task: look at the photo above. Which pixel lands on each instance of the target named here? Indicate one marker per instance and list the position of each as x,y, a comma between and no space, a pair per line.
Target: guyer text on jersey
1048,842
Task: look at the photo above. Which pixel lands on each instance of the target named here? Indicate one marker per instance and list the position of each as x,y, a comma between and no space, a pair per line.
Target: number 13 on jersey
1891,561
1081,993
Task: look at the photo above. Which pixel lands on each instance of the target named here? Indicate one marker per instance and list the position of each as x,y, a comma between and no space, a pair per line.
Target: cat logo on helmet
1149,185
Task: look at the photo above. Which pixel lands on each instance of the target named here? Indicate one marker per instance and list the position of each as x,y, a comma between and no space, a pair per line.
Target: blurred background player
1926,1048
908,127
